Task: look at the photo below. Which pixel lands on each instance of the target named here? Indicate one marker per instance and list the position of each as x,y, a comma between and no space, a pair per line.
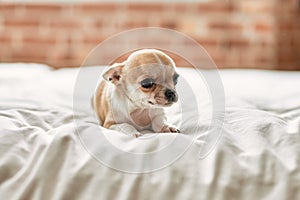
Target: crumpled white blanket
45,154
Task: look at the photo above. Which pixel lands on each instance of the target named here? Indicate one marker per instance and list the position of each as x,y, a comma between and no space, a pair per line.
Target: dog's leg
159,123
125,128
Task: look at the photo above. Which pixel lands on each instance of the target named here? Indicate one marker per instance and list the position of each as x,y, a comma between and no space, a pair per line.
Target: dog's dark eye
175,78
147,83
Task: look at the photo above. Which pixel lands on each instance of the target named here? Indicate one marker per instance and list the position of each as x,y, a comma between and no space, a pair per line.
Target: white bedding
42,157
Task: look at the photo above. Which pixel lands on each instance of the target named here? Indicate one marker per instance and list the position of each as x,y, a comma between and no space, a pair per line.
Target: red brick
42,11
239,42
256,7
12,30
169,24
263,27
296,39
8,8
25,56
66,56
92,39
5,38
262,59
43,7
134,24
287,9
38,39
64,34
157,7
215,7
33,50
181,7
288,66
225,25
218,59
285,55
231,43
207,41
83,50
67,63
21,22
285,40
98,24
98,7
217,56
289,25
63,55
64,23
264,43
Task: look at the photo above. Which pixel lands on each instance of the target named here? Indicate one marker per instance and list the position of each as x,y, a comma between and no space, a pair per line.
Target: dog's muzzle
171,95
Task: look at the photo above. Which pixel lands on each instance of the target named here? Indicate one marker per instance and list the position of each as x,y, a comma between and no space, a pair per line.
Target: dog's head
148,78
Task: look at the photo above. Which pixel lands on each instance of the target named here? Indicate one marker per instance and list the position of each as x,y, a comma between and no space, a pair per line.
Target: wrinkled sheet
42,156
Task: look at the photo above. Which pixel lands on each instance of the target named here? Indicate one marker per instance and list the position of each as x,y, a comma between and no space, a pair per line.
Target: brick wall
236,33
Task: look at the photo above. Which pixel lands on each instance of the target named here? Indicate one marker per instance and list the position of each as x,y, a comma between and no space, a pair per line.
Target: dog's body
133,94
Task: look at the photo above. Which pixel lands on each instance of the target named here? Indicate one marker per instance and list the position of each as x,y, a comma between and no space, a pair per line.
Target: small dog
133,93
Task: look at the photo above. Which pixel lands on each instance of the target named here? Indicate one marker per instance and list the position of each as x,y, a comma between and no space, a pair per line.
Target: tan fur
102,104
149,58
141,117
122,104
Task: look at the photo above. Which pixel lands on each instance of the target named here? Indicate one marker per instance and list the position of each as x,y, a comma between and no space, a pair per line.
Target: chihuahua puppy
133,93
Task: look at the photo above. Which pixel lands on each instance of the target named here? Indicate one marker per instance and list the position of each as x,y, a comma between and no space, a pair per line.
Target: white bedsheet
41,157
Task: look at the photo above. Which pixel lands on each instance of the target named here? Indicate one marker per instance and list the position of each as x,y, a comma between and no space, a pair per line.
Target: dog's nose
170,95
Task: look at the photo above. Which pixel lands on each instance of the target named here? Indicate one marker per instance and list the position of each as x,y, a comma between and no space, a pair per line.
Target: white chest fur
141,117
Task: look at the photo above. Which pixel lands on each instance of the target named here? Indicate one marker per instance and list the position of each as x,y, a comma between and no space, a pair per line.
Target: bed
46,154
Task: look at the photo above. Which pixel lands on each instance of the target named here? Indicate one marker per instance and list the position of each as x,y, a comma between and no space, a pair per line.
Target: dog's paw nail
170,129
138,135
173,130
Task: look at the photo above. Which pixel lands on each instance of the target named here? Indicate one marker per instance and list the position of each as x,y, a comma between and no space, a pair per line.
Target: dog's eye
175,78
147,83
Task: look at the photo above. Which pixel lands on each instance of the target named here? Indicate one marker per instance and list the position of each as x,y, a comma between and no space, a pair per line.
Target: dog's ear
114,73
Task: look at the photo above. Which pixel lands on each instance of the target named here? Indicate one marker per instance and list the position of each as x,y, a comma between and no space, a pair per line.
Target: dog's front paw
169,129
138,134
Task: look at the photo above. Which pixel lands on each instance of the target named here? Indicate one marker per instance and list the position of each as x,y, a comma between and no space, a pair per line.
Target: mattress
52,147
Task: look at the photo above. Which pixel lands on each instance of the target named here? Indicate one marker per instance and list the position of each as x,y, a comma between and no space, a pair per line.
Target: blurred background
262,34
